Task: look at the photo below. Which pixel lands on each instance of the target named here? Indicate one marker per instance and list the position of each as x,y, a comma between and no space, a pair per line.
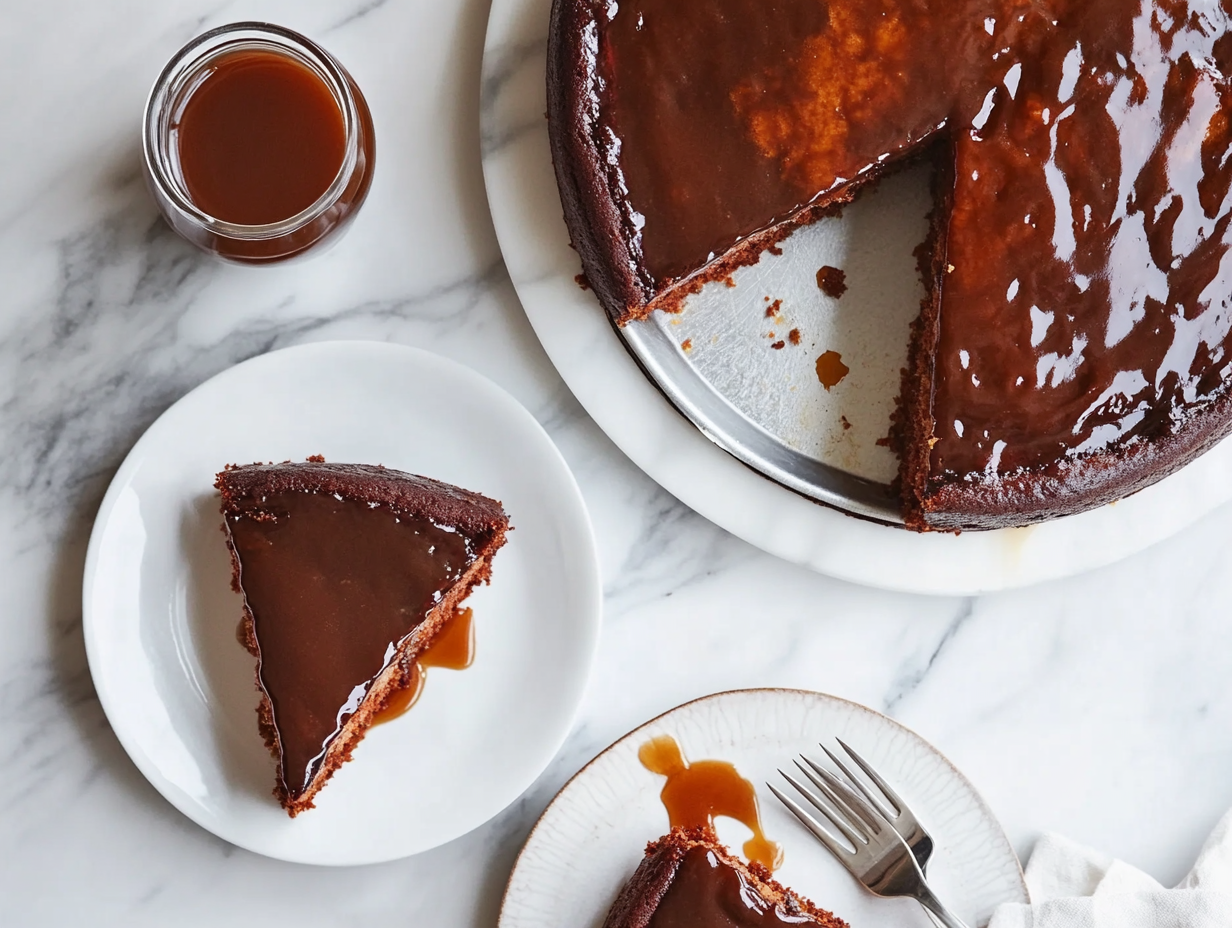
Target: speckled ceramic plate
591,837
160,616
744,433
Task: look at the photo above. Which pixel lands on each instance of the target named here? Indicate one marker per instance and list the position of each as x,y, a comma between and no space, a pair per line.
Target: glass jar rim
194,57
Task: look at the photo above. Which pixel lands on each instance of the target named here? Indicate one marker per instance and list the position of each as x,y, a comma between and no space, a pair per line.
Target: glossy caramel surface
260,138
1085,151
707,893
1089,301
334,586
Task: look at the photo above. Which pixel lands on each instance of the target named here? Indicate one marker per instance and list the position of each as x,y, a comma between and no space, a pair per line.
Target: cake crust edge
598,230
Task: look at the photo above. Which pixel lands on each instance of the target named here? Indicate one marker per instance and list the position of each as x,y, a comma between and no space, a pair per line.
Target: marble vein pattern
1099,706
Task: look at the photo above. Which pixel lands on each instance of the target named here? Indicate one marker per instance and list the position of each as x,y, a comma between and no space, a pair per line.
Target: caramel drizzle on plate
453,648
695,793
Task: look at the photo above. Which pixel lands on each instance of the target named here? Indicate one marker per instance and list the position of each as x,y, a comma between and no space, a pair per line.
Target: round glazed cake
1072,346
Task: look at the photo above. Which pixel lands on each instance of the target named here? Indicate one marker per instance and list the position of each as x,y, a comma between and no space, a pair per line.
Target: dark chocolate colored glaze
688,878
707,893
334,585
727,118
1089,301
1084,309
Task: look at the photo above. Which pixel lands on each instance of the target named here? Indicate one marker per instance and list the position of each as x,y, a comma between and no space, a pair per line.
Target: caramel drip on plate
695,793
831,370
453,649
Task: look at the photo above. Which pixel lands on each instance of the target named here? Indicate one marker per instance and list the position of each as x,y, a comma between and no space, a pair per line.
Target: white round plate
160,616
594,363
591,838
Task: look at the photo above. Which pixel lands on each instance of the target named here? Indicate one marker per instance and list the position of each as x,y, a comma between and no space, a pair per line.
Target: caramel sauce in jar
260,139
258,144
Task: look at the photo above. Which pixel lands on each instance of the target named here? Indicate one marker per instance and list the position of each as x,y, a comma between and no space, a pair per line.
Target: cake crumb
777,346
832,281
794,336
729,280
831,370
773,309
846,424
581,281
317,458
686,345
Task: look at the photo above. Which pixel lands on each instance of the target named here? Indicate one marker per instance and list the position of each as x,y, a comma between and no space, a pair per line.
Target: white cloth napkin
1075,887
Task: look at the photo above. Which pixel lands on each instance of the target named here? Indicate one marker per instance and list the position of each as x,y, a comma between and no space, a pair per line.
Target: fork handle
937,909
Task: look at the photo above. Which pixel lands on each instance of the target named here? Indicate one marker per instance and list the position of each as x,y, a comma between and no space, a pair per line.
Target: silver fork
897,812
878,857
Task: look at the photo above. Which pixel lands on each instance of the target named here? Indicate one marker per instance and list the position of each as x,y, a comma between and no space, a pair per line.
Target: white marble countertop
1098,706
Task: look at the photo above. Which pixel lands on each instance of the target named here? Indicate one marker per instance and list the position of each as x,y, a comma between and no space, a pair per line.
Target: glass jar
318,223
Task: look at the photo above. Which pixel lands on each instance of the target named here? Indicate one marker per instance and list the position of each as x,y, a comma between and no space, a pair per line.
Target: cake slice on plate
689,880
347,572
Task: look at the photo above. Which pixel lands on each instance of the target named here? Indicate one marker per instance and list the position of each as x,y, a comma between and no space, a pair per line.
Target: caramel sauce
831,370
695,793
333,584
260,139
453,649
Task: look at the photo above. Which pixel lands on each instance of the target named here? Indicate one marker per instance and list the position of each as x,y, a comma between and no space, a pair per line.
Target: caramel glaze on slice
1074,344
688,878
348,572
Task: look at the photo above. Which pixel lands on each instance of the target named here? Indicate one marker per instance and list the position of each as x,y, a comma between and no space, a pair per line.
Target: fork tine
869,816
859,784
832,844
855,837
855,816
881,784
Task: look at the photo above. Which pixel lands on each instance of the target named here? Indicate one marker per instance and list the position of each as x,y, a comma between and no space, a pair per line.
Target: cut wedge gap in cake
347,573
1076,345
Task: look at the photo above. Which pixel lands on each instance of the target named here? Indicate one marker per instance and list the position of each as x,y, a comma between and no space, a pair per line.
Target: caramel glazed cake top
348,572
688,878
1074,344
